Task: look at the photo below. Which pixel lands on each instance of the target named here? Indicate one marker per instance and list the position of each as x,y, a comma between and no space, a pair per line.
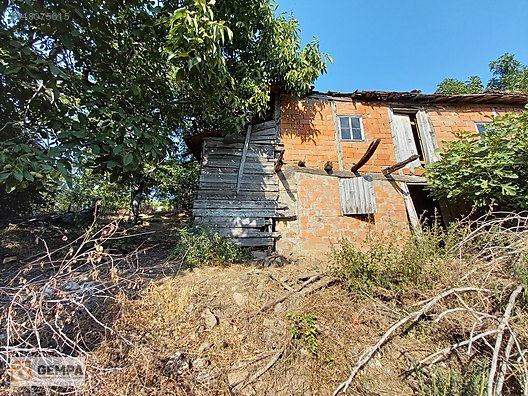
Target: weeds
304,328
197,246
470,381
393,264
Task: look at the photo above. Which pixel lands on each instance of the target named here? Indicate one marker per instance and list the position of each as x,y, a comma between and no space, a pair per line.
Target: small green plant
304,328
455,382
197,246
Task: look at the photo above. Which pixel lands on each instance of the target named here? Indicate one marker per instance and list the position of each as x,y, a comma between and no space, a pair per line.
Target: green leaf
128,159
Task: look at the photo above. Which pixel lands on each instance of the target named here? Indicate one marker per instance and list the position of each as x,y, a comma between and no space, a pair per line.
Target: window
357,196
351,128
482,127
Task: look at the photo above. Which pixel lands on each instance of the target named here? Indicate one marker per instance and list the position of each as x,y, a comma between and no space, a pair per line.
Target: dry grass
160,340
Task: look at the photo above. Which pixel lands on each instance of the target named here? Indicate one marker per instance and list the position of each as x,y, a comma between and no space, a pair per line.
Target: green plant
304,328
489,168
394,264
469,381
197,246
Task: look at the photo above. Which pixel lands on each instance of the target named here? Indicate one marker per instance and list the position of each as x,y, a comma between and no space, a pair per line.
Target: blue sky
401,45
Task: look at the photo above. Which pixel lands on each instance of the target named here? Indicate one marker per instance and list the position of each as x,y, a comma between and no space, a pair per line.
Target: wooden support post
328,166
279,162
370,151
399,165
243,159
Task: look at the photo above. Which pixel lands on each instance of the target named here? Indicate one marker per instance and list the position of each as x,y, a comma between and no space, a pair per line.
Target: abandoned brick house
333,165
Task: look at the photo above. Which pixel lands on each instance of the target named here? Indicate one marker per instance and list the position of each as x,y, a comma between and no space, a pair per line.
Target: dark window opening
427,208
417,138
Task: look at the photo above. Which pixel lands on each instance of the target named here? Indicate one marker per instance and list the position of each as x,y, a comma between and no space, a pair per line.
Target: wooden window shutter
357,195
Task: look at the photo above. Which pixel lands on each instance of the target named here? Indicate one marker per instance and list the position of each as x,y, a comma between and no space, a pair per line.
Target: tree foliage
490,169
508,75
109,86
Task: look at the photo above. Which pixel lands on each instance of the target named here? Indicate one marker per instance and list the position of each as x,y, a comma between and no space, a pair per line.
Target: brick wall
319,221
446,120
308,133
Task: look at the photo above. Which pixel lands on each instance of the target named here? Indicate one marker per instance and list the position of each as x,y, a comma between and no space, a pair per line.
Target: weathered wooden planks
234,222
235,204
238,188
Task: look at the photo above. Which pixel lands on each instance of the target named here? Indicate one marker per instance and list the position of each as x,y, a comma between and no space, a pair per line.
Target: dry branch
498,342
412,318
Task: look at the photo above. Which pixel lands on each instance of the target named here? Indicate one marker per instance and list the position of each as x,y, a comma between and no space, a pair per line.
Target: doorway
427,208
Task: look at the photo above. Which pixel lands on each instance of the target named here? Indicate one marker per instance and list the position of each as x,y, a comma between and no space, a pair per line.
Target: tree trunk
136,195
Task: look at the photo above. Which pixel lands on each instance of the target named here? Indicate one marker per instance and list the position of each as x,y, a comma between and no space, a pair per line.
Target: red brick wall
448,119
319,221
308,133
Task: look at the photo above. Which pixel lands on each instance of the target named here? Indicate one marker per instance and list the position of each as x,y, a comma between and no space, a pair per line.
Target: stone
244,277
307,275
178,363
204,346
10,259
210,319
240,299
236,377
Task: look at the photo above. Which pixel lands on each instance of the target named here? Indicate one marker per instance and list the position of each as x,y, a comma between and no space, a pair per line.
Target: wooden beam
399,165
279,162
243,160
337,136
328,166
344,174
370,151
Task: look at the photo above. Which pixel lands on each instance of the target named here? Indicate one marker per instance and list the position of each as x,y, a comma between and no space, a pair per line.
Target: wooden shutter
403,139
357,195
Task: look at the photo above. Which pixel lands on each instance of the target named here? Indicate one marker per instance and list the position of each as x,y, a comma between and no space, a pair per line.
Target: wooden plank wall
247,216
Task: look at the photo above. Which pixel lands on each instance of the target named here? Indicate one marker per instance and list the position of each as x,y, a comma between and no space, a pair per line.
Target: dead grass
204,332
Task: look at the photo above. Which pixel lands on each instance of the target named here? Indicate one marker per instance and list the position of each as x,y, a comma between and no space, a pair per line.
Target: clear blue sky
401,45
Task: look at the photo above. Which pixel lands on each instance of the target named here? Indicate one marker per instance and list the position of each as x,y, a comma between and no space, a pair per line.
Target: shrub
394,264
197,246
471,381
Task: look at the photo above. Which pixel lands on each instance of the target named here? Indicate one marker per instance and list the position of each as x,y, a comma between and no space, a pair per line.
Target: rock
240,299
237,377
178,363
10,259
244,277
279,261
307,275
69,286
208,375
204,346
280,308
201,363
210,319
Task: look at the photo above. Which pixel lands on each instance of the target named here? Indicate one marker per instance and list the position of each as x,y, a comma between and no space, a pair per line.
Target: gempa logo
47,371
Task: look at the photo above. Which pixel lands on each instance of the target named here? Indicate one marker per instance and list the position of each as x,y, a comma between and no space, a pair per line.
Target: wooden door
403,139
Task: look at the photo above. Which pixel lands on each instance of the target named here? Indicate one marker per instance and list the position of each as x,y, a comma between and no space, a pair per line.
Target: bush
198,246
394,264
470,381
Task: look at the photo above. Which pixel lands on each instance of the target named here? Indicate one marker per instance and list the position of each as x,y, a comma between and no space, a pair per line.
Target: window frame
477,123
361,128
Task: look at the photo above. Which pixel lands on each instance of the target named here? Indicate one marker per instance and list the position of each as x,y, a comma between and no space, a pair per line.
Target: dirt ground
277,327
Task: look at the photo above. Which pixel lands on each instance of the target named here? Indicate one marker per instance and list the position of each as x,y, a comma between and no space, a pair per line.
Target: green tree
109,86
508,75
490,169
